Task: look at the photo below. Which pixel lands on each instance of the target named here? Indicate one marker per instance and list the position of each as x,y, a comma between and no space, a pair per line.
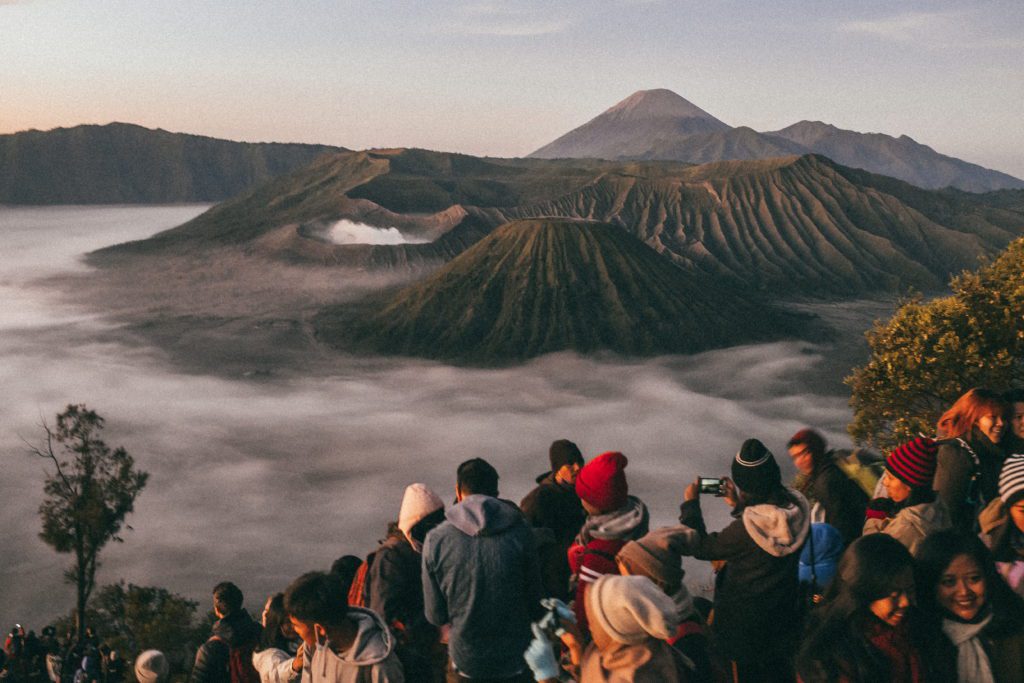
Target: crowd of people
864,569
32,658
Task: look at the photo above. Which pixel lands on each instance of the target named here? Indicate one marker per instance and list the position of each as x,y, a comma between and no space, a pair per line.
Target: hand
573,640
540,656
297,662
562,613
692,491
729,492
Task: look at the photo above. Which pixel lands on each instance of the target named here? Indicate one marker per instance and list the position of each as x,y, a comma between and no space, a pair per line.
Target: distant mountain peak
657,103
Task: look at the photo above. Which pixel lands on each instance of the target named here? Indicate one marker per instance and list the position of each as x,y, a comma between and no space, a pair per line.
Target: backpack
240,666
358,595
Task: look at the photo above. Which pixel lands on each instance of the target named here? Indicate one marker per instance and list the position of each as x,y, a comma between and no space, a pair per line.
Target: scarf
972,665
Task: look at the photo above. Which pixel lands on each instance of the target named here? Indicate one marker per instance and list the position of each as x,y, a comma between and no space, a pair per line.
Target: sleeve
726,544
435,604
388,586
952,477
211,659
534,589
388,671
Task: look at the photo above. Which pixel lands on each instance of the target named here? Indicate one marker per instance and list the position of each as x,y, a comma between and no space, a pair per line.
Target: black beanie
754,469
564,452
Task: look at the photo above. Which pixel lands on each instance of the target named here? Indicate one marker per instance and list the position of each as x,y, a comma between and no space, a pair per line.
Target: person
840,500
1002,524
630,619
341,643
554,505
226,657
613,518
345,568
274,657
395,586
658,556
980,615
910,511
116,667
151,666
481,577
969,456
1013,437
756,607
867,629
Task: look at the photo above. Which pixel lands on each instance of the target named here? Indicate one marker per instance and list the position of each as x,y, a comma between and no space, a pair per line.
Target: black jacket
214,656
965,487
842,499
556,508
756,594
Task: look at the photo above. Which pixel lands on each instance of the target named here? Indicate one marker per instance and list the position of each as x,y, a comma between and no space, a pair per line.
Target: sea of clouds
258,482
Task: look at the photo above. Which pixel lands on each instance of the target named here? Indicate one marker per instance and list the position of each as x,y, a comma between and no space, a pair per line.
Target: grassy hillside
124,164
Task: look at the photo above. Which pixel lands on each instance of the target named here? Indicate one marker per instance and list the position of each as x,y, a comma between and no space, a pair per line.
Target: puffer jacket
910,525
756,599
601,538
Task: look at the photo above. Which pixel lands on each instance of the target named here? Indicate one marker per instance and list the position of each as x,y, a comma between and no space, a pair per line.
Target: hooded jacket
841,499
370,659
557,510
236,630
602,536
481,575
756,595
911,524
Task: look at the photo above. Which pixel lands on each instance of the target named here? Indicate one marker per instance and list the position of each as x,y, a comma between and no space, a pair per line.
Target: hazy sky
505,77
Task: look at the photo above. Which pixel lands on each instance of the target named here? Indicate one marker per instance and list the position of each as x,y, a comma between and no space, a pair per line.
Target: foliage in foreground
930,352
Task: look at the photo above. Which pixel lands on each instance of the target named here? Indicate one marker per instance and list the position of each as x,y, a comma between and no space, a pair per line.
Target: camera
713,485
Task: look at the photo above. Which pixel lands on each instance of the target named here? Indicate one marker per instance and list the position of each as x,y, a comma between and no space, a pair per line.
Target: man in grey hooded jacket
481,576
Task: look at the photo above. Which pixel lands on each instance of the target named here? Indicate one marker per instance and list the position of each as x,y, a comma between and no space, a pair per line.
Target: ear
319,630
458,494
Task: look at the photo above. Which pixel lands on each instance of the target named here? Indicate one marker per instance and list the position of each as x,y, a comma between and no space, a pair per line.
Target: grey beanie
151,667
658,555
631,609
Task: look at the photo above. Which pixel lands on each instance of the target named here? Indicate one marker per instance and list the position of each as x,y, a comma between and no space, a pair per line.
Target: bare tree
87,497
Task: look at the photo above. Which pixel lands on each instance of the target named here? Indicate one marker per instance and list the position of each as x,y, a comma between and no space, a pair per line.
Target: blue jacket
481,575
828,548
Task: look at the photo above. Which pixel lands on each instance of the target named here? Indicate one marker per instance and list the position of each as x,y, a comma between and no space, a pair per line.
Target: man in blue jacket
481,576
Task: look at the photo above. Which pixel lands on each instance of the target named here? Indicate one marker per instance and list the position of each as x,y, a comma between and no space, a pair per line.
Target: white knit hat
631,609
151,667
1011,480
418,502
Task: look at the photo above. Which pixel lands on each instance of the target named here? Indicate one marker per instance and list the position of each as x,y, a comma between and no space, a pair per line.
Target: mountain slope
658,124
533,287
123,163
900,157
790,225
645,120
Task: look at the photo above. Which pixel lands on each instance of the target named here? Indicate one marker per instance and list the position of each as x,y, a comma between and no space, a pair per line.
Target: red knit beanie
914,462
602,482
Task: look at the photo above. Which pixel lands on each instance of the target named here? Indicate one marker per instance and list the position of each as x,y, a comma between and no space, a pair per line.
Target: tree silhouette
87,497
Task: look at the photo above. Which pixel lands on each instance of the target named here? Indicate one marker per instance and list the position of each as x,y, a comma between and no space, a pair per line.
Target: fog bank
258,482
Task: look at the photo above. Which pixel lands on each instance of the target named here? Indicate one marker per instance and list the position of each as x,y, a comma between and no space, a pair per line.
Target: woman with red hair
967,476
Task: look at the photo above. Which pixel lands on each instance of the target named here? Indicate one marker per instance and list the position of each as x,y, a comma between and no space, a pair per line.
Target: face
566,474
896,489
961,589
992,426
802,458
303,630
263,614
893,608
1017,514
1017,420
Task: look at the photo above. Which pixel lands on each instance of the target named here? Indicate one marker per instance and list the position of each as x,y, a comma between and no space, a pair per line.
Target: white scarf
972,665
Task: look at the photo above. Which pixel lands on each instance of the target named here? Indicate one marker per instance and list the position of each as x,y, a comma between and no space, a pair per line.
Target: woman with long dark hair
970,458
979,613
909,511
866,629
274,658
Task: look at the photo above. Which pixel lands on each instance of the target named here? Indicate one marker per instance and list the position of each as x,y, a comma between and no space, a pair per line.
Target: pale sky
502,78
